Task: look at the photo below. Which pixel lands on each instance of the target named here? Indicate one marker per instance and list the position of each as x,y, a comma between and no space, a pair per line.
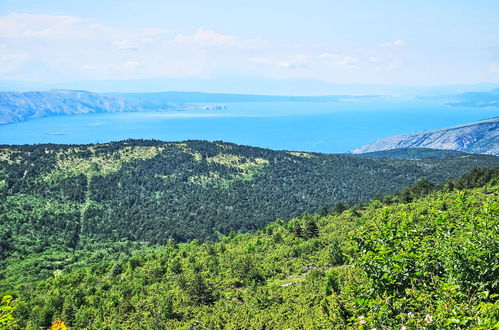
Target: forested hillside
412,153
424,258
60,204
152,191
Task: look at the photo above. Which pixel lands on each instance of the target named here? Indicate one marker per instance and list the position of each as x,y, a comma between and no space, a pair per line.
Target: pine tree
199,291
311,229
324,212
339,208
297,230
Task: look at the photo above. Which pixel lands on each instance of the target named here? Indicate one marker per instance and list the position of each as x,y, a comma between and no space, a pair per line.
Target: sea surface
333,127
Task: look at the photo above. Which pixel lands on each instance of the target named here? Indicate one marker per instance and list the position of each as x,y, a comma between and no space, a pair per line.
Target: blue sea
333,127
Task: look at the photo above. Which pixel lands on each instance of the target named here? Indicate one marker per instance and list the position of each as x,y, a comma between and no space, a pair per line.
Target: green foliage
421,188
477,178
311,229
336,256
199,291
425,259
339,208
98,250
324,212
7,321
151,191
331,284
298,230
59,203
414,264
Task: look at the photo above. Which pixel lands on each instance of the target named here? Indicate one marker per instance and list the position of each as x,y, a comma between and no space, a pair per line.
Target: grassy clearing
70,163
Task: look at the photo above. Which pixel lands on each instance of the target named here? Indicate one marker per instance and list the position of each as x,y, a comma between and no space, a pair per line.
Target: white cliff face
16,107
478,137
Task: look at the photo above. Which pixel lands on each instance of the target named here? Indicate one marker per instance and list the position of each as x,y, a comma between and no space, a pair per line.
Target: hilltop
151,191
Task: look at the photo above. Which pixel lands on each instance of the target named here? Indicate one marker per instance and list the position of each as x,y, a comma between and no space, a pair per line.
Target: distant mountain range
196,97
17,107
481,137
244,85
476,99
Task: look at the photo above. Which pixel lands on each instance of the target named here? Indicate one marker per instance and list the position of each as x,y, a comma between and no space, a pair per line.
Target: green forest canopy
426,257
63,203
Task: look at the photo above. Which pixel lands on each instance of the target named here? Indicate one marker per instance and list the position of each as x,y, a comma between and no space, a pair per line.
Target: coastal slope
481,137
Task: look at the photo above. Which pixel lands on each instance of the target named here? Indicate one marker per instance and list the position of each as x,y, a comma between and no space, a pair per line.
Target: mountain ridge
475,137
21,106
214,187
247,85
412,153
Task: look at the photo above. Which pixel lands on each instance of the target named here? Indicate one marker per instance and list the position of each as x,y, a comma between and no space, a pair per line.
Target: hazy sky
396,42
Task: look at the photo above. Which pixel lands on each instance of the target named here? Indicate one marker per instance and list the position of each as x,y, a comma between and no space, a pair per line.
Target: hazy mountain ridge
481,137
246,85
476,99
196,97
17,107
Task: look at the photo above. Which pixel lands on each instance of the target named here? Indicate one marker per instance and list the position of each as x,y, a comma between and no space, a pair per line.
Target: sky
377,42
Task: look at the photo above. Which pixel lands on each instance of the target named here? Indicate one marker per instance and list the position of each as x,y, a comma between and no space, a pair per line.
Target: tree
336,253
311,229
200,292
164,308
339,208
331,283
297,230
247,270
421,188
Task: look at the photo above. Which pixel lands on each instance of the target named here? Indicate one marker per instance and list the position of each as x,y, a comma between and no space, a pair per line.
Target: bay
331,127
